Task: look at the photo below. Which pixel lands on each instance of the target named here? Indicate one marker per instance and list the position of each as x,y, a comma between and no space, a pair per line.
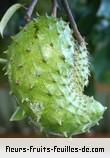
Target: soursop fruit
47,71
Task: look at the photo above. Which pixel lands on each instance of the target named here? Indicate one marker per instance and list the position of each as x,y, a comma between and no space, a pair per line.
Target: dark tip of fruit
16,42
17,82
49,93
63,84
28,50
12,37
20,66
63,28
35,20
31,87
61,93
38,74
36,36
58,33
25,29
44,60
69,46
27,100
58,71
51,44
53,80
62,57
36,28
49,27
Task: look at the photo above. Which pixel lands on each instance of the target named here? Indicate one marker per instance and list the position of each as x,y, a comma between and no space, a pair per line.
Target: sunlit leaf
9,13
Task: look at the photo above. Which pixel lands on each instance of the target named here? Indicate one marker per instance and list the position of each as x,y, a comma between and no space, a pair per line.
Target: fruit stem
54,8
3,61
73,24
30,10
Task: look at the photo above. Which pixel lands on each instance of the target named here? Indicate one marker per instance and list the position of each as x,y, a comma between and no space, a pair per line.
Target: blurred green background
93,19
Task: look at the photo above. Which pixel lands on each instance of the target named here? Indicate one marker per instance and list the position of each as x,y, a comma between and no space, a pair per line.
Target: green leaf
104,9
7,16
18,115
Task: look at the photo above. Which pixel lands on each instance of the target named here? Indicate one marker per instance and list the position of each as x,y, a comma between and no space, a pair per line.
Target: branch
30,10
3,61
54,7
72,22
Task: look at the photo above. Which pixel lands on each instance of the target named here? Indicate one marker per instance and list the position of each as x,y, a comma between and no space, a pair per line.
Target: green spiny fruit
47,71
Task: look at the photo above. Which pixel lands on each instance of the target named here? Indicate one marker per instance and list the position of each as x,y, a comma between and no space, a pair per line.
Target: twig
30,10
3,61
54,7
72,22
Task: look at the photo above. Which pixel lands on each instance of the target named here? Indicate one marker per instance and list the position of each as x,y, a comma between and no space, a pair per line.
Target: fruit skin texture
47,71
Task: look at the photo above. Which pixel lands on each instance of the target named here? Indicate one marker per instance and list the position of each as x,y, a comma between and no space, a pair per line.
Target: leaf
104,9
18,115
7,16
